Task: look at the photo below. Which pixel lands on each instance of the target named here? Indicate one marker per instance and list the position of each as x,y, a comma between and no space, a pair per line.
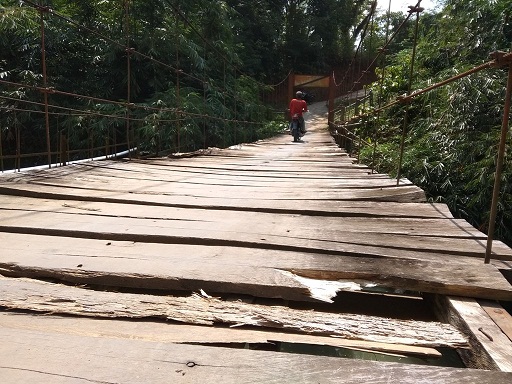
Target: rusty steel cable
499,165
128,51
359,46
381,87
45,85
80,113
123,46
387,43
99,114
131,51
103,36
178,90
125,104
416,10
408,98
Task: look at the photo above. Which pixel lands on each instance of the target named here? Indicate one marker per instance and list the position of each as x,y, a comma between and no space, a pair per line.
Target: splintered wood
47,297
46,356
295,224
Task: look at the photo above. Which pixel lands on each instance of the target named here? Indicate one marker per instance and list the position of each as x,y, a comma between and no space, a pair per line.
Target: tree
453,131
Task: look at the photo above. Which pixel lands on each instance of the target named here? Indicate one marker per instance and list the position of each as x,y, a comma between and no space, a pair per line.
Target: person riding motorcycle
297,107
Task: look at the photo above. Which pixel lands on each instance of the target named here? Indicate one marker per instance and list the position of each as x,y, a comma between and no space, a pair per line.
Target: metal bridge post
291,85
18,144
42,10
499,167
128,74
1,152
178,86
332,88
63,149
417,10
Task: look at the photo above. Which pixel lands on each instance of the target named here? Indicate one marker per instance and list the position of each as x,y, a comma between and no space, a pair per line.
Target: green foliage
192,69
453,132
187,81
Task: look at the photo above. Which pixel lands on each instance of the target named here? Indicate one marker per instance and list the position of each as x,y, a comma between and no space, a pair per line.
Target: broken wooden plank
193,334
253,271
490,347
42,356
33,295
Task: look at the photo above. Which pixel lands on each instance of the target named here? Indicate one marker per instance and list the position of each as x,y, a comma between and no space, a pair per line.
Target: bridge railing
45,121
352,112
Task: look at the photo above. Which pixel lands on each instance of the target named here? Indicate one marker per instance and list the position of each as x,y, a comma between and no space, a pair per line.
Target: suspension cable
124,104
123,47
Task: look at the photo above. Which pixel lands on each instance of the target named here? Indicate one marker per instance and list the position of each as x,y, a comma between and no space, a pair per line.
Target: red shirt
297,106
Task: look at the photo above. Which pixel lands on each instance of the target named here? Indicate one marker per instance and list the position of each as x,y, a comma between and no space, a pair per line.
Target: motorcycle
295,128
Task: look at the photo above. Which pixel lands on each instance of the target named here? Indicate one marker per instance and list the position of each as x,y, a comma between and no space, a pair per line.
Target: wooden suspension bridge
209,267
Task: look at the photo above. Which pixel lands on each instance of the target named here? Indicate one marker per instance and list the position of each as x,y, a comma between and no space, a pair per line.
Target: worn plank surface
490,346
235,269
168,332
47,356
313,207
499,315
56,298
273,219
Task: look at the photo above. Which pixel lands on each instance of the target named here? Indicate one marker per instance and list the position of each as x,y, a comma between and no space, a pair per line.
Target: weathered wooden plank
97,171
125,180
26,294
499,315
470,247
490,347
312,207
253,271
185,333
191,183
250,168
171,225
474,247
406,193
200,220
34,356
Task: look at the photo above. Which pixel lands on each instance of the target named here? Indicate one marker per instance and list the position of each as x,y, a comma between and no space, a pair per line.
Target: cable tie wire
413,9
500,58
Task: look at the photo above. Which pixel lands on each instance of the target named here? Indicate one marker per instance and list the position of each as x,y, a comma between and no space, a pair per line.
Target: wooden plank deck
41,353
51,357
296,224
